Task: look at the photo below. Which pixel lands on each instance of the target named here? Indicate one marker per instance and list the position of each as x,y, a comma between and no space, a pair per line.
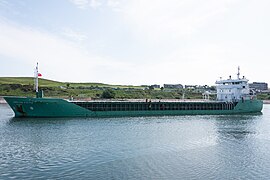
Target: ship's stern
249,106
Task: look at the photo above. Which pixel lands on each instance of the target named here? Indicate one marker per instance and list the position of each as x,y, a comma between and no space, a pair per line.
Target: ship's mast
36,78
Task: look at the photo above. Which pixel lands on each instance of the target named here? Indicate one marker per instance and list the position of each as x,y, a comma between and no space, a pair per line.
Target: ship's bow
45,107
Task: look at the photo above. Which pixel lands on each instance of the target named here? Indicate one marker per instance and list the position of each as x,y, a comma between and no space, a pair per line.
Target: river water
170,147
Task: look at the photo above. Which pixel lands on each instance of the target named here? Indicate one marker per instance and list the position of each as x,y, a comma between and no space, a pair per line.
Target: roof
231,81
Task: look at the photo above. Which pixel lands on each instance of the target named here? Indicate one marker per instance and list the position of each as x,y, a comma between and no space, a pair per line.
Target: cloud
147,41
169,19
95,3
10,7
59,58
4,3
116,5
84,4
74,35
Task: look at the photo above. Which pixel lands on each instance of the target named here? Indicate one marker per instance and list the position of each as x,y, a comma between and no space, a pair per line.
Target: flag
39,75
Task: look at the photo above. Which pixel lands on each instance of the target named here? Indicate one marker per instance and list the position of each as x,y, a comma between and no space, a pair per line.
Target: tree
151,87
108,94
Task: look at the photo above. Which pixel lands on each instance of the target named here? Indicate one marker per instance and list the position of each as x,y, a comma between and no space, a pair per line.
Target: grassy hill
24,86
29,81
51,83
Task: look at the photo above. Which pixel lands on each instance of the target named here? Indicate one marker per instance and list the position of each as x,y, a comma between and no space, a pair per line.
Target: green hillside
51,83
24,86
28,81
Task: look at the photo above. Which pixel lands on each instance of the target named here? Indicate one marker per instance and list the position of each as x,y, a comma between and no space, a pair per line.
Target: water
173,147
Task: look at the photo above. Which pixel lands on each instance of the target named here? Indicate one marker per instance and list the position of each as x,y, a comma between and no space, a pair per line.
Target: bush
108,94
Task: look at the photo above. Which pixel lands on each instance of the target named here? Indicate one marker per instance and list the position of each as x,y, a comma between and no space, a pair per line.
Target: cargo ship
233,96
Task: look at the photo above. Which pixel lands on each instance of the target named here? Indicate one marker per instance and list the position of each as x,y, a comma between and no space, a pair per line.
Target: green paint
51,107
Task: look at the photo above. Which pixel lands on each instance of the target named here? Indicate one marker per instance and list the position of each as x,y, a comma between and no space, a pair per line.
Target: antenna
238,74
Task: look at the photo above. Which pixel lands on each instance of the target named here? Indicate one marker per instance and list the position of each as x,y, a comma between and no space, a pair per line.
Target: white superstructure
234,89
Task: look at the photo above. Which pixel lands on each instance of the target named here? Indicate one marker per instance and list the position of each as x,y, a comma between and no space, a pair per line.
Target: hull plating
49,107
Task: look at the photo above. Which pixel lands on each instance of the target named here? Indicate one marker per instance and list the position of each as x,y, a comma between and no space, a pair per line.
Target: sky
136,42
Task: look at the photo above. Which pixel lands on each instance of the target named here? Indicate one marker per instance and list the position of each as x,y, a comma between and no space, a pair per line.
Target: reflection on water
173,147
237,126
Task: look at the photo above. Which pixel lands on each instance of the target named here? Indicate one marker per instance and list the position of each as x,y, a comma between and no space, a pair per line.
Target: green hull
49,107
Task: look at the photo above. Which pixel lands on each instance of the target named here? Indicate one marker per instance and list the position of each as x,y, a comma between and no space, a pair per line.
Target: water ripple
169,147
